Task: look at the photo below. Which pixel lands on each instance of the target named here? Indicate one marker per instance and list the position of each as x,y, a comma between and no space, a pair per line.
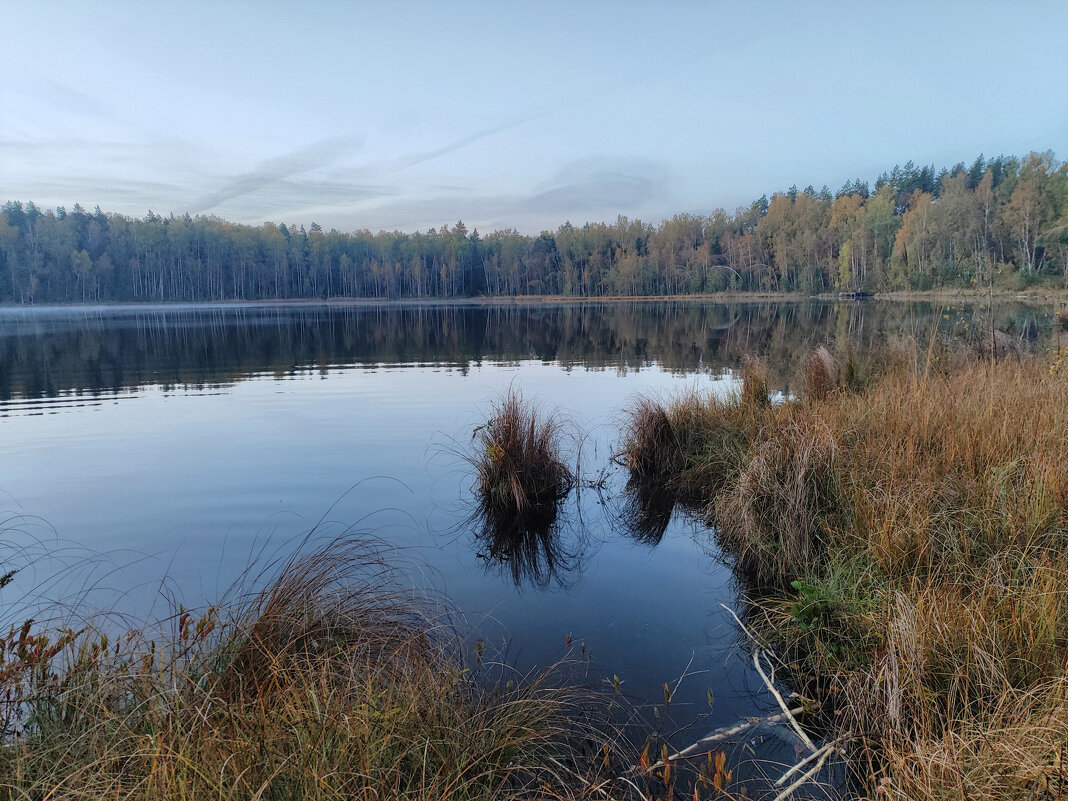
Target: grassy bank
330,682
902,531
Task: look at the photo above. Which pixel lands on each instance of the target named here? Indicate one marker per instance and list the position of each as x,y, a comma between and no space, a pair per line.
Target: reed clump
520,472
905,549
521,483
688,446
329,683
821,377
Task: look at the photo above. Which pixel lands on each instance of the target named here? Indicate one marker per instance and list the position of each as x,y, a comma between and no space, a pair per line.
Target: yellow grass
905,549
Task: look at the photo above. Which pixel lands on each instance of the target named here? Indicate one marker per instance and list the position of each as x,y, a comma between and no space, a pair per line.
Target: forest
999,223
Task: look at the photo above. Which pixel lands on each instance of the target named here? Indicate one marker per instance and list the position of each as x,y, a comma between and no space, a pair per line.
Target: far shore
1034,295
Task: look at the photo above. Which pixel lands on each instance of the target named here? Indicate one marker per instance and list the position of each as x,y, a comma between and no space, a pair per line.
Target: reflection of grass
907,546
646,511
529,547
329,683
521,482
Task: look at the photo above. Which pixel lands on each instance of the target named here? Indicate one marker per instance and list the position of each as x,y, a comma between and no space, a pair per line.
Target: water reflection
645,511
45,353
530,548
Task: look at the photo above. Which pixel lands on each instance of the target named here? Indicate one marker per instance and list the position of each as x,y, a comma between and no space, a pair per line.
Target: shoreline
1037,296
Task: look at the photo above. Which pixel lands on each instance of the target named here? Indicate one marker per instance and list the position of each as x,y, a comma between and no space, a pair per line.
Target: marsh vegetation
900,529
329,681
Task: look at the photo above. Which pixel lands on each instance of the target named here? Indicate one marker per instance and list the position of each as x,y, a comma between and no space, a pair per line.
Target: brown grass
329,683
518,464
521,484
905,545
820,374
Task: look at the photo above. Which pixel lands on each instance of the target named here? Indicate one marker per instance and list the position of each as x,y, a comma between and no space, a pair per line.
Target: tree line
998,222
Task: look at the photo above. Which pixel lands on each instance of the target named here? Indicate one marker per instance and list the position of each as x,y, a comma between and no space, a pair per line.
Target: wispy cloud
314,156
413,159
599,184
585,190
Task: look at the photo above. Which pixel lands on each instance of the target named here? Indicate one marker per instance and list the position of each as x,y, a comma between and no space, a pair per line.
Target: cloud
458,144
597,185
586,190
314,156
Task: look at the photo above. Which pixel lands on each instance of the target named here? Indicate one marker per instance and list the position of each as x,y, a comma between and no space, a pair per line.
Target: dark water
180,442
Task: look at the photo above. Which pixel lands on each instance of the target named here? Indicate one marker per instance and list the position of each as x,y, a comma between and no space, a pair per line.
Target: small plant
520,471
521,483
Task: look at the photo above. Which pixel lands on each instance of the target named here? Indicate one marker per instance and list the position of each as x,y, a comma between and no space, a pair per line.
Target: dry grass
820,374
755,393
689,446
521,482
906,549
518,462
329,683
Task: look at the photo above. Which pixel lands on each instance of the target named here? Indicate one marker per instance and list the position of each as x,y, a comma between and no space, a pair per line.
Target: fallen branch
782,703
760,652
725,733
809,774
814,755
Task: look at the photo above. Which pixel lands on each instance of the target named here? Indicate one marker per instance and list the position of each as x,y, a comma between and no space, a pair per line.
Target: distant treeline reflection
45,353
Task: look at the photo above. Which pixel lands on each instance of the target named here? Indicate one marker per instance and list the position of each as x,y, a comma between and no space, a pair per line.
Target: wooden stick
725,733
791,771
807,776
768,682
782,703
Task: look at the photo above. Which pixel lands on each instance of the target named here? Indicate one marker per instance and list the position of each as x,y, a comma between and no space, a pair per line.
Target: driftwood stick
782,703
741,625
807,775
725,733
760,652
800,765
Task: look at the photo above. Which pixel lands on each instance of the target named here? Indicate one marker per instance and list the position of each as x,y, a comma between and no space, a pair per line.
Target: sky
410,115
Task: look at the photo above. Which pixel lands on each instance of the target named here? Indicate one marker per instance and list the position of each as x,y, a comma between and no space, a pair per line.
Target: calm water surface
177,443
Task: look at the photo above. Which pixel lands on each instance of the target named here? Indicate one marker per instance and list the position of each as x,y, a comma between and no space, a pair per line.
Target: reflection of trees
43,355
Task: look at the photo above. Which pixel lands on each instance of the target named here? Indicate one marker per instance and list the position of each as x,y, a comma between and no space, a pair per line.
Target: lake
151,454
